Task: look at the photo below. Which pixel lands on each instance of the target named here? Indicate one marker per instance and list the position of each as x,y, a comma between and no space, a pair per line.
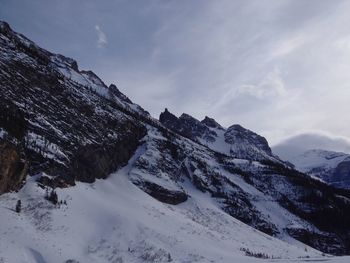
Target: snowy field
114,221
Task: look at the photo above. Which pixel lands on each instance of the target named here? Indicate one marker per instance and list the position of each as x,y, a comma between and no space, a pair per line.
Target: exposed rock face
245,142
115,91
238,134
13,168
187,126
162,194
12,119
235,141
98,161
325,243
65,117
194,129
341,174
210,122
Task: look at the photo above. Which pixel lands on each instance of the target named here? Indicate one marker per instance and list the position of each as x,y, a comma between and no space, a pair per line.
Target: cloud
287,46
270,86
101,37
300,143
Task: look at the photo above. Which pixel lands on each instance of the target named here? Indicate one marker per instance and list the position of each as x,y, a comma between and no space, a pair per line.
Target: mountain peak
5,26
115,91
186,125
167,117
236,134
187,116
237,127
210,122
58,58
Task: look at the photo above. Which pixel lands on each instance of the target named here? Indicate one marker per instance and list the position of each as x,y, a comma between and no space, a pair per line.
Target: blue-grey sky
278,67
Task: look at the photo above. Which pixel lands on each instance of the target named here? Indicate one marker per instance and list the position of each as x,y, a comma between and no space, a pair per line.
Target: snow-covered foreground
114,221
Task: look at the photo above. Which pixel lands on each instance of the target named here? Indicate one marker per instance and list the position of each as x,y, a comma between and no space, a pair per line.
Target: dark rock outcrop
168,119
238,135
115,91
341,175
98,161
12,119
210,122
162,194
329,243
187,126
13,167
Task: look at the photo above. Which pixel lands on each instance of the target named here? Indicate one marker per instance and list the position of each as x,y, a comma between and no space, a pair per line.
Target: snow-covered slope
112,220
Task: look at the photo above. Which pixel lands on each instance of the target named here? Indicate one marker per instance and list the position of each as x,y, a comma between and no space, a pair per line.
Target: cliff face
73,126
13,168
97,161
341,174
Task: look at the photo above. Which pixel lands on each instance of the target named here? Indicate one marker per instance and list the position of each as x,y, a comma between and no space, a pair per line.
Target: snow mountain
135,189
331,167
320,156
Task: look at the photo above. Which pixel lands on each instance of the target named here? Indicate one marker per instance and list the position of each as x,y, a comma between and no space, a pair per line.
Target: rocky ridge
234,141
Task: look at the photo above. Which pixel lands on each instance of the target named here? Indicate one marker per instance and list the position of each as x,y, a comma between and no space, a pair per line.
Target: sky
278,67
299,144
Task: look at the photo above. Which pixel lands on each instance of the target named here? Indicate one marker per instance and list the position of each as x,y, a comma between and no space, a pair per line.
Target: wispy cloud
278,67
101,37
270,86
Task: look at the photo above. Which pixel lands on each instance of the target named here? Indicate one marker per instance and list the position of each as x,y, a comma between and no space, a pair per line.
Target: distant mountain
330,166
170,185
301,143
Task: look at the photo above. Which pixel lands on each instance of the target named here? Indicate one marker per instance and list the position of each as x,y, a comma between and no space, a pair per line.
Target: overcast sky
278,67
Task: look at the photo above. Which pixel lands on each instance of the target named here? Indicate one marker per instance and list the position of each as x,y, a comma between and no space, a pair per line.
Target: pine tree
53,197
18,206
